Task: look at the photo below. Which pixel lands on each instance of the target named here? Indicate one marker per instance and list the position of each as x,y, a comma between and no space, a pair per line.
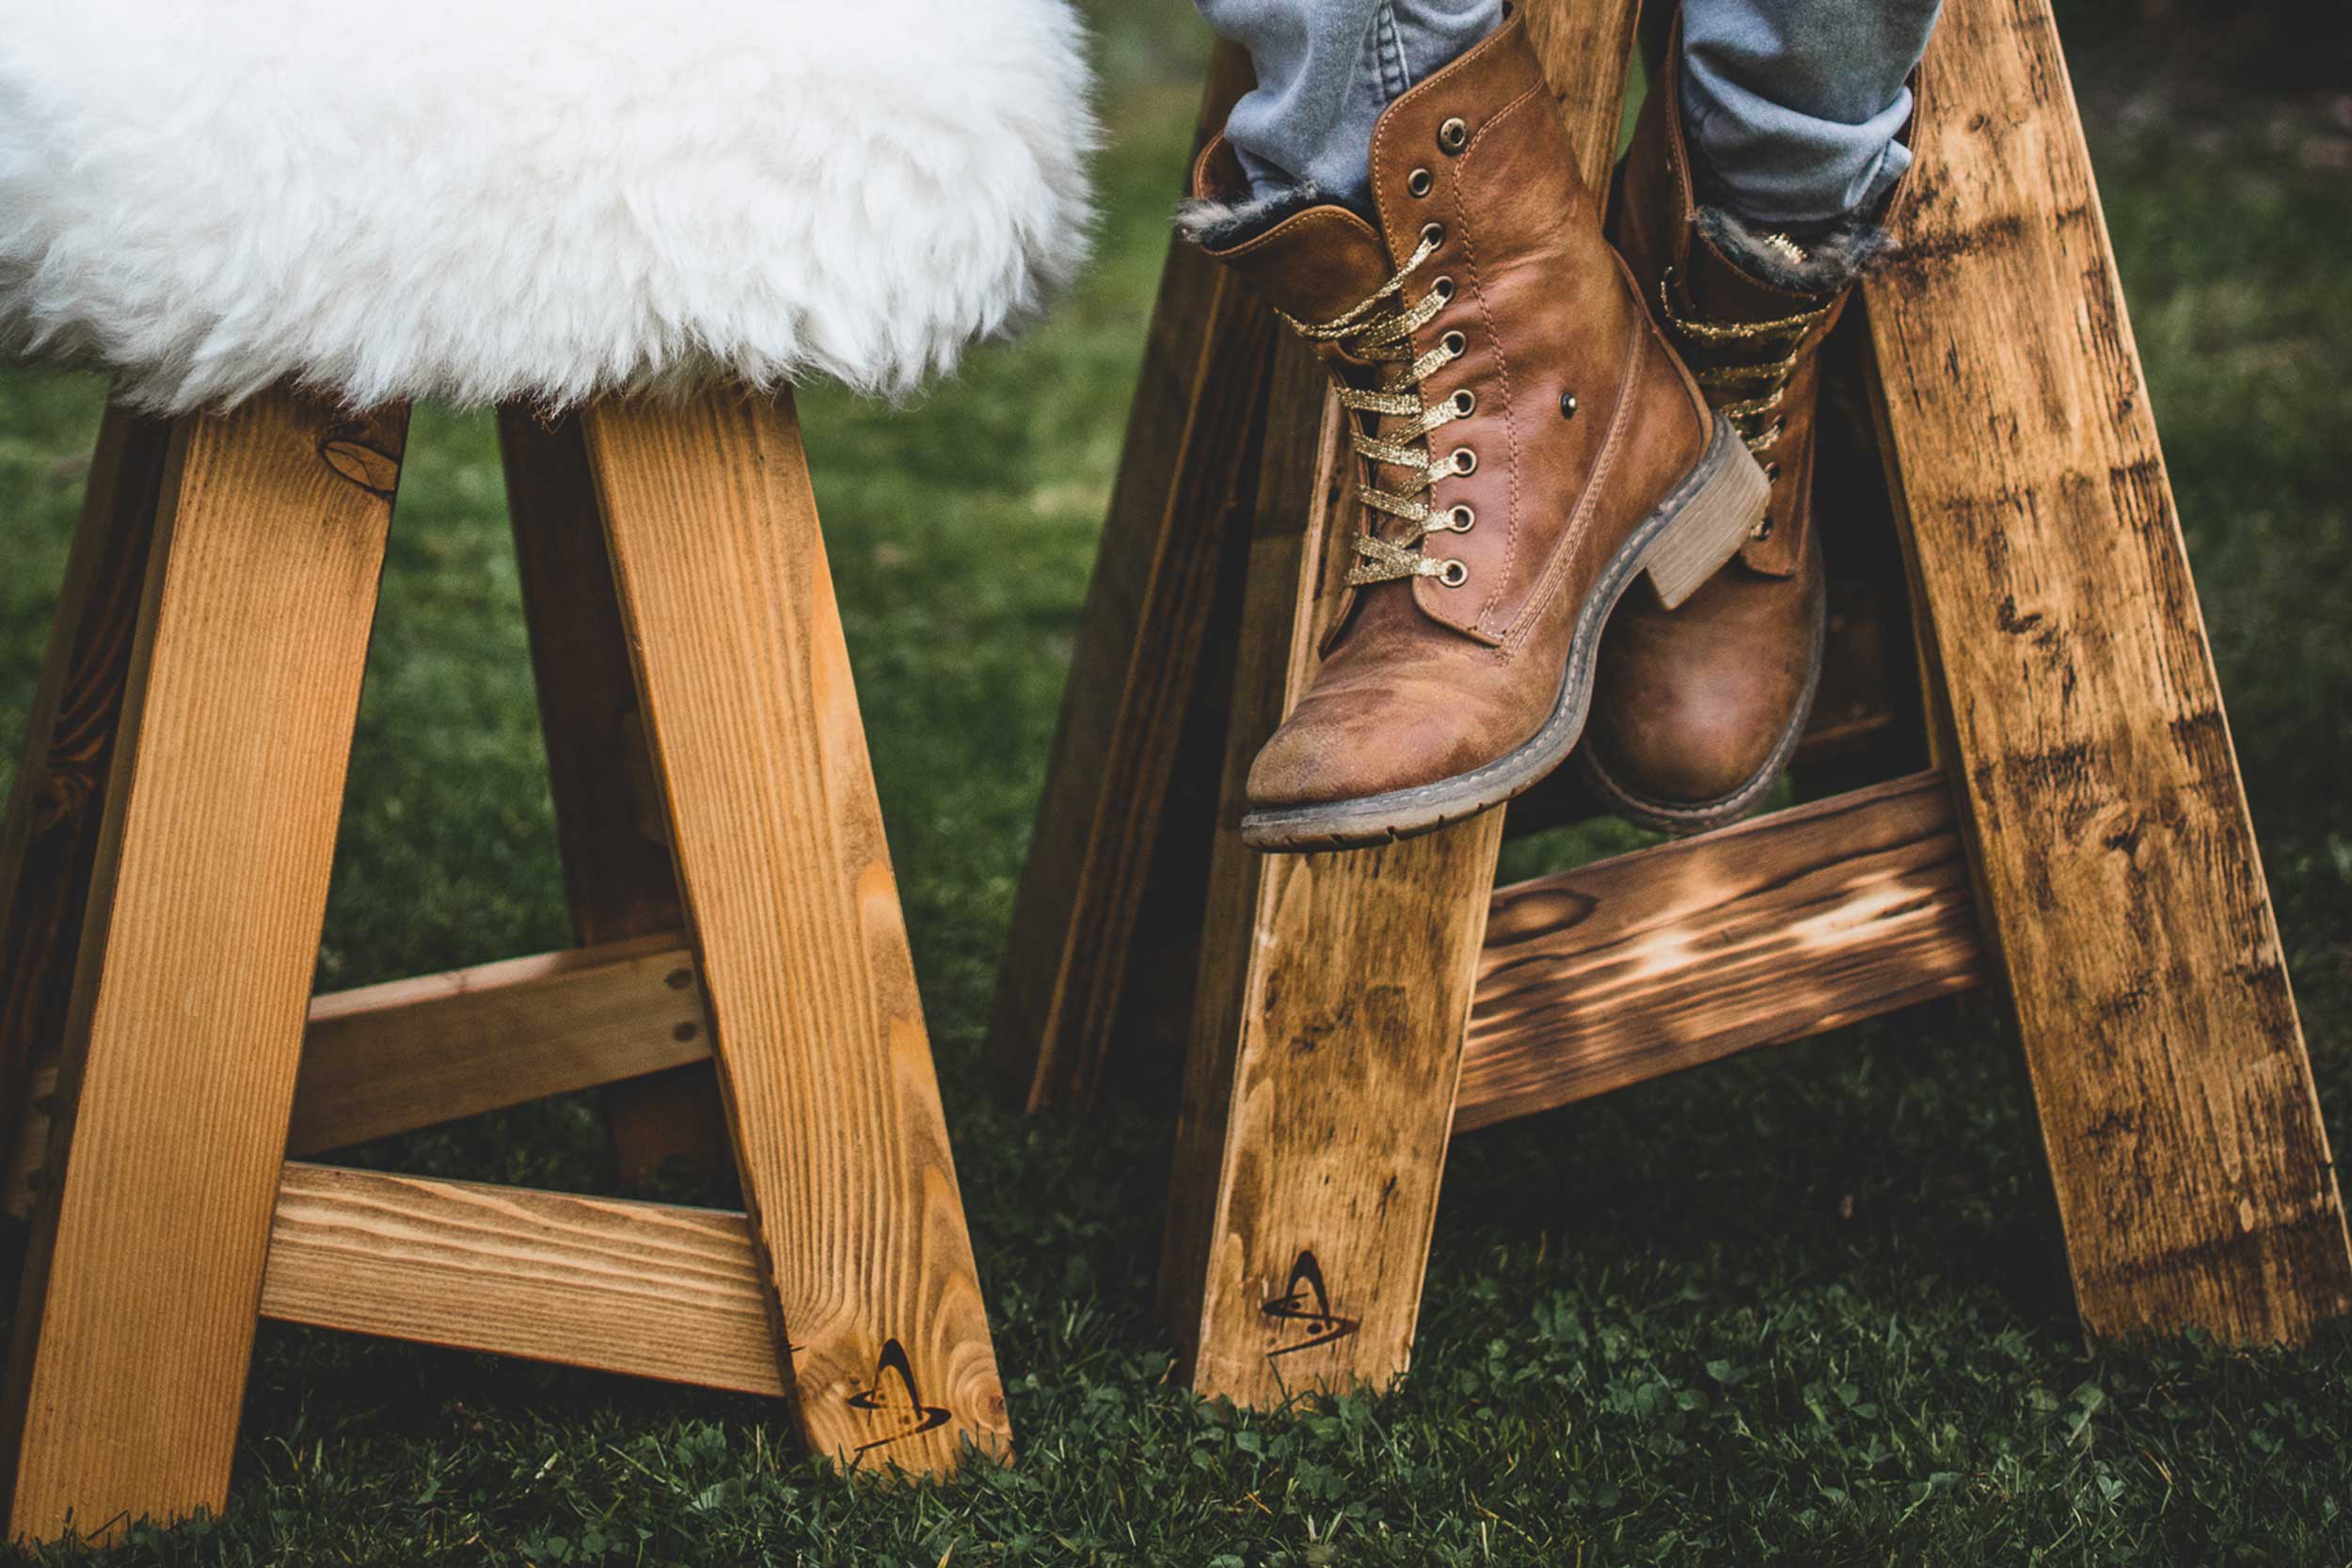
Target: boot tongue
1315,266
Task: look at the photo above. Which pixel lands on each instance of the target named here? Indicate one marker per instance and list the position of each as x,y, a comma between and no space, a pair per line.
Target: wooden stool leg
616,877
1151,612
778,838
135,1322
2118,868
1335,988
49,842
1334,993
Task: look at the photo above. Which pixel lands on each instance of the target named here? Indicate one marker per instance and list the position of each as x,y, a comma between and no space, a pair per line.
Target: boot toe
1694,707
1702,752
1685,726
1351,745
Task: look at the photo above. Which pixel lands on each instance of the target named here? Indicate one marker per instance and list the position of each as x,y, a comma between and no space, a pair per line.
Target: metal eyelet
1455,344
1465,403
1454,134
1420,181
1771,471
1443,288
1460,520
1763,529
1773,435
1568,405
1433,235
1454,574
1463,461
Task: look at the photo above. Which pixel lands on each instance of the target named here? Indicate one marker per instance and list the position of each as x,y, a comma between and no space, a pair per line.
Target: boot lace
1378,331
1738,357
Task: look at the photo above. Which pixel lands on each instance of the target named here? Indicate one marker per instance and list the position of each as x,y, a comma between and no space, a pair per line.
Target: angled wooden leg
2098,789
135,1322
617,878
1334,993
1152,614
1334,988
822,1057
49,841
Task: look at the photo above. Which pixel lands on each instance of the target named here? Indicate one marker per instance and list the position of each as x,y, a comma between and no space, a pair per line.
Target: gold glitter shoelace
1379,332
1723,356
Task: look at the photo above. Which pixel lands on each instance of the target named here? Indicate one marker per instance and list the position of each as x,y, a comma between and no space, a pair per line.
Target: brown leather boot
1696,714
1529,447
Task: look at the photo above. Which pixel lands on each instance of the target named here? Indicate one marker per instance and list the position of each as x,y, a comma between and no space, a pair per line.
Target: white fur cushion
483,200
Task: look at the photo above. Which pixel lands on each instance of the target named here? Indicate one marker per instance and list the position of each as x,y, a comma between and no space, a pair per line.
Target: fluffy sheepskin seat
547,200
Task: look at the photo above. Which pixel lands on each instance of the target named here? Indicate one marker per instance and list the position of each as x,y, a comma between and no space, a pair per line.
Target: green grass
1803,1308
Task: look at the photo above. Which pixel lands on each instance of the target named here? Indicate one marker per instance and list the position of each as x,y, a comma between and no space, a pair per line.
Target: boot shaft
1540,335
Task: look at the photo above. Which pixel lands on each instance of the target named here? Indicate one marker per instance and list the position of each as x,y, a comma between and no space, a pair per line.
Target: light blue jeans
1792,106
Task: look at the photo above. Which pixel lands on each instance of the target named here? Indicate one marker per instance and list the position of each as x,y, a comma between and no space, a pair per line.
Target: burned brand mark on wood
1305,1307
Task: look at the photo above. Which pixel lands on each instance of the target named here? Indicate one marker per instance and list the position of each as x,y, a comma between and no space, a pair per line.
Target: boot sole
1683,817
1700,524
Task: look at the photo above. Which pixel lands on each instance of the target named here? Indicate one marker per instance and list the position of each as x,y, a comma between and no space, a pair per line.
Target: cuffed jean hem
1792,106
1326,70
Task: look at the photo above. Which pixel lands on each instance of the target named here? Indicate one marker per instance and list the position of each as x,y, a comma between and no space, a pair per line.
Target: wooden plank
2101,792
618,879
1153,616
821,1052
49,836
407,1053
135,1323
1586,47
1621,970
1319,1089
643,1289
617,876
1317,1097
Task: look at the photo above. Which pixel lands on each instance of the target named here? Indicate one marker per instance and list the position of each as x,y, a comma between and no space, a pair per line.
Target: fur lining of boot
1215,225
1818,262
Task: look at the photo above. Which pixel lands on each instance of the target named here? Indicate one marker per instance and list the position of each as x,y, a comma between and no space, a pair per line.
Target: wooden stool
2081,839
177,807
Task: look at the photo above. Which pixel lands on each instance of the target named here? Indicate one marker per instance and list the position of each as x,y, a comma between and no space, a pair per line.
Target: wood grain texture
1334,991
407,1053
1334,988
1618,971
643,1289
1184,485
2099,790
617,876
49,838
1586,47
1304,481
136,1322
822,1057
